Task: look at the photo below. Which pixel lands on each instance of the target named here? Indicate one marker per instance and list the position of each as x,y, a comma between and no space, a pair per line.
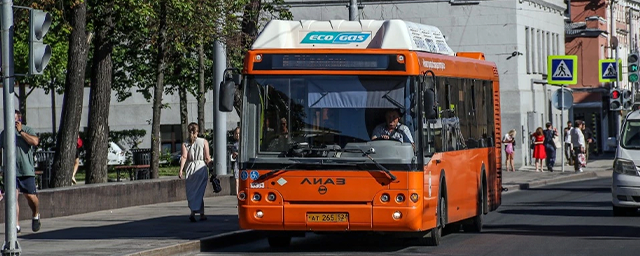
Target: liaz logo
335,37
321,181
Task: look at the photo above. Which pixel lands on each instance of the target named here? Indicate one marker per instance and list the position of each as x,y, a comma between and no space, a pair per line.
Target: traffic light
39,53
615,100
632,67
627,99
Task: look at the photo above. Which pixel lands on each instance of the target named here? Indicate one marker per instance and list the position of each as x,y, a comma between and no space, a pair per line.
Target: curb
574,177
205,244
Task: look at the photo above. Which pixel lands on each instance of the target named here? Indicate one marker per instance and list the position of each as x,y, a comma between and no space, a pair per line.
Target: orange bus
365,126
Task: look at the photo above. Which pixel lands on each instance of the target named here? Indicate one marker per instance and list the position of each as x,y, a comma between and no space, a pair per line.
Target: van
625,187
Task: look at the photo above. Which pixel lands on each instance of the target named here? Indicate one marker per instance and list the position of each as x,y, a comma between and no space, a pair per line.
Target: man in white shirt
568,149
577,139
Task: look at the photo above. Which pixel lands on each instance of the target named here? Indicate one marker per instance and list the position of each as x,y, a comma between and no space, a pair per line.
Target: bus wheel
278,241
433,237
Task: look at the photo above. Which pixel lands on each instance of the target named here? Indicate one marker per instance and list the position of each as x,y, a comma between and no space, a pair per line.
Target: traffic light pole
11,245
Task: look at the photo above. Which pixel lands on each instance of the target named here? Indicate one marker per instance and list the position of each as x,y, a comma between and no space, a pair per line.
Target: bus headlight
271,197
256,197
384,198
242,196
259,214
400,198
397,215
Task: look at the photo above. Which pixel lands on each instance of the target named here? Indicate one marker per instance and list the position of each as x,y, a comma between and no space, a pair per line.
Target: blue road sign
562,69
244,175
609,70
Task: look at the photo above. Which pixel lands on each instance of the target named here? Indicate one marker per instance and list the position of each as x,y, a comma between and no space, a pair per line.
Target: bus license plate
327,217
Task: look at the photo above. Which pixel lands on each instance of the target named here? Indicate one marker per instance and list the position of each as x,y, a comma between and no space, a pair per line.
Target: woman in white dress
193,163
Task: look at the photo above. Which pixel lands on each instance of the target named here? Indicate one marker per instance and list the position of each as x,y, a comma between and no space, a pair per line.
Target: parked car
116,155
626,173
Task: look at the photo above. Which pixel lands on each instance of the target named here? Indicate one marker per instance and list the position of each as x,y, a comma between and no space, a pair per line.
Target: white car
116,155
625,187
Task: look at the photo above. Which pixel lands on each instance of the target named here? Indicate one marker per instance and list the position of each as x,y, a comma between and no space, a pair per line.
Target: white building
133,113
517,35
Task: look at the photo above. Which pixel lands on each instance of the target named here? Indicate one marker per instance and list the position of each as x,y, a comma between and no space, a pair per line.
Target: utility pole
220,125
353,10
11,245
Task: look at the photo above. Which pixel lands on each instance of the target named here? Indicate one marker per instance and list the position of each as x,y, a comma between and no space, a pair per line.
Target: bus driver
392,128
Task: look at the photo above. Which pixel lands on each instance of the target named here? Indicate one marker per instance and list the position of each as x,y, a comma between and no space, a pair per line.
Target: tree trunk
72,101
184,113
201,90
158,91
100,98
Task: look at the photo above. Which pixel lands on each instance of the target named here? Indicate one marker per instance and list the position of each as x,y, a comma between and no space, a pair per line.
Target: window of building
527,43
539,49
534,51
171,137
544,51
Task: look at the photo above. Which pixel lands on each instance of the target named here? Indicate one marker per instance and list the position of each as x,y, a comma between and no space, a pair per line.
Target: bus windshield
326,111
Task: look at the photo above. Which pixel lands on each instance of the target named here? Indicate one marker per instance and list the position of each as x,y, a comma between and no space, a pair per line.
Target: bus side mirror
228,89
227,94
428,88
429,104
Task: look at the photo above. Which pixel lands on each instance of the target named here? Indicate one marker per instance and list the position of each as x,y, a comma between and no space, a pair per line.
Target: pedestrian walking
510,142
550,146
26,142
193,164
539,152
77,163
577,139
588,139
568,148
235,148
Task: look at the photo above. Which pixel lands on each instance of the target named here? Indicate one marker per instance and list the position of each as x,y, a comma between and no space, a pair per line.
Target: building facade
517,35
600,29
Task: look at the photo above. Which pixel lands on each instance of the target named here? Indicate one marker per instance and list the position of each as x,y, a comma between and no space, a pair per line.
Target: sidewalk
164,229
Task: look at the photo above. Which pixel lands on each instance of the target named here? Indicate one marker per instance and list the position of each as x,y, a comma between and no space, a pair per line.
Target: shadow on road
171,227
590,231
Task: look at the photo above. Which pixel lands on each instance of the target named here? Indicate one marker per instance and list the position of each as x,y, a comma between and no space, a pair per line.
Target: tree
160,45
72,102
100,94
254,13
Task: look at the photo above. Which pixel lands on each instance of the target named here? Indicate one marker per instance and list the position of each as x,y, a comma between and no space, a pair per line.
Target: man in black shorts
26,141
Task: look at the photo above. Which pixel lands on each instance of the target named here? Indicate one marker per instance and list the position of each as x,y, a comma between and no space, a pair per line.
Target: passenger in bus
392,129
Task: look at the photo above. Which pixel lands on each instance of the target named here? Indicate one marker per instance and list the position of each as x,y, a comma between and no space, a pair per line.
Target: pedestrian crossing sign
609,70
562,69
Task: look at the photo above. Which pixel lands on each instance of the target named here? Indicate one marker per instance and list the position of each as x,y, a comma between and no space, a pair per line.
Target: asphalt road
565,219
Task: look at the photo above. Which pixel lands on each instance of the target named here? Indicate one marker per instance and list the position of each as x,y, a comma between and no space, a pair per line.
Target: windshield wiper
366,153
274,171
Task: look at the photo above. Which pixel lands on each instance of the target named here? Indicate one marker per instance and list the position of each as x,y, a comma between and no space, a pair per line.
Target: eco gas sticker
319,37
